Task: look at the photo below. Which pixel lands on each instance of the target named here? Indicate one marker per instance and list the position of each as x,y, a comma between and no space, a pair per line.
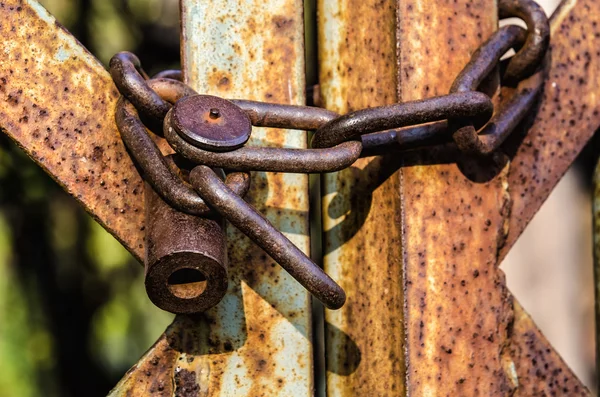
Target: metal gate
416,243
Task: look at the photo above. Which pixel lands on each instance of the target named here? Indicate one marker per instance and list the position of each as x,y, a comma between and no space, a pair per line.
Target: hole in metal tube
187,283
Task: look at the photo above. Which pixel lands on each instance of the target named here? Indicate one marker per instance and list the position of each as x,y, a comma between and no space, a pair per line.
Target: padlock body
186,258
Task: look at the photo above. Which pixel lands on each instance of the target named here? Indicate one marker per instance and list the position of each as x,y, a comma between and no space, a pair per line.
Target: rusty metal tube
260,230
186,258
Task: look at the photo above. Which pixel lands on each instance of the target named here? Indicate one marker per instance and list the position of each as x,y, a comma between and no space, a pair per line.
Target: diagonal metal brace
58,103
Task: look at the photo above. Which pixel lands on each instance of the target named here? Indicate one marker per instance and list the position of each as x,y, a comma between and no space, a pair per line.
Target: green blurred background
74,315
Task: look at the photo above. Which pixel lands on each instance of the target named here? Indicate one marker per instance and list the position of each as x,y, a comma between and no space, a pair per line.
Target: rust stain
568,113
221,79
361,207
57,102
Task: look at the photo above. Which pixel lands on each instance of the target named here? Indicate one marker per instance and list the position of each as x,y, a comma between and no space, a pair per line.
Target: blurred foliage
74,314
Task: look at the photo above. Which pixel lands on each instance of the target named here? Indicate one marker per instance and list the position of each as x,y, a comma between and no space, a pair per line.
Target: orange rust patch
220,79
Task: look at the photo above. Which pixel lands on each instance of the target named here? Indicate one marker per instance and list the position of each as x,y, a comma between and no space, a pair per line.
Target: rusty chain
209,134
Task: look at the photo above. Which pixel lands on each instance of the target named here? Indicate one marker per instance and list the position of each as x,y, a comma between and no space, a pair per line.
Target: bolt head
210,123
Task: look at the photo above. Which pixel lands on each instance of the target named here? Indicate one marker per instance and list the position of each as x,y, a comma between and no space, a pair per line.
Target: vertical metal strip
596,214
257,341
260,335
466,335
458,309
361,206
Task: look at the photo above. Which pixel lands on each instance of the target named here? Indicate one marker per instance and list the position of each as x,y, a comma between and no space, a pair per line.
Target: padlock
186,258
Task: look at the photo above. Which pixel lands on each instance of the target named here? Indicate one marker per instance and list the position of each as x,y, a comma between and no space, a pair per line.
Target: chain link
207,132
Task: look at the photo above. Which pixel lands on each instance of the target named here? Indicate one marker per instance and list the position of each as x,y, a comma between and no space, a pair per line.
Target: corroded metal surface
256,342
466,335
458,309
186,258
464,331
539,370
364,339
250,222
568,113
58,103
596,223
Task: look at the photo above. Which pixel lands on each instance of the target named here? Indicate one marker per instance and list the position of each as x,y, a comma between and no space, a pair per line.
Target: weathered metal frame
58,104
451,247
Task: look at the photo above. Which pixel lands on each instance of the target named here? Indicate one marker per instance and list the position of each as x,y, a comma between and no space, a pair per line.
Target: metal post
260,335
257,341
361,206
450,323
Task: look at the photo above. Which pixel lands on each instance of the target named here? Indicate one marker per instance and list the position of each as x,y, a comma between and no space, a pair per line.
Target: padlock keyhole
187,283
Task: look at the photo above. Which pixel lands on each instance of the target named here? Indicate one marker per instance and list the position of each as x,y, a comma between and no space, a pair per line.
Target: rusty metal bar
364,339
465,332
458,330
255,50
596,226
58,103
257,341
539,370
457,308
568,114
